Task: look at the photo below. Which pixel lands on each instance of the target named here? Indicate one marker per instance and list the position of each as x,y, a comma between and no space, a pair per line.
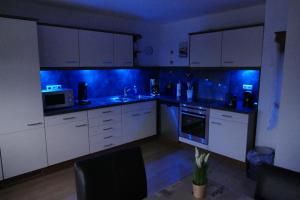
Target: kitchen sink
128,98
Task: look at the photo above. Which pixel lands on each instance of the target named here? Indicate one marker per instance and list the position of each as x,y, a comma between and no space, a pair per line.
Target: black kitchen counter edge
103,102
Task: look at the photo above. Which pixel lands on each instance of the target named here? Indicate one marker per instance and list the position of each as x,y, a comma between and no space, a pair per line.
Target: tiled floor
166,163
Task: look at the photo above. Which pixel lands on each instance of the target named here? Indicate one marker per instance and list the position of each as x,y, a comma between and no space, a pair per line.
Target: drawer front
113,129
232,116
66,118
104,121
149,105
97,143
104,112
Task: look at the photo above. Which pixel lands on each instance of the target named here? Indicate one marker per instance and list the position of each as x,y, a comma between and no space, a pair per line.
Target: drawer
65,118
105,120
104,112
98,144
149,105
232,116
113,129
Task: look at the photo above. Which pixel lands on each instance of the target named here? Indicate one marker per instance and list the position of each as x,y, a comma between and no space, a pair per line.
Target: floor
166,163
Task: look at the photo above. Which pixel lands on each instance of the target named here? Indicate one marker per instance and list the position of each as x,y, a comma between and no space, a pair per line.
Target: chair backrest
275,183
114,176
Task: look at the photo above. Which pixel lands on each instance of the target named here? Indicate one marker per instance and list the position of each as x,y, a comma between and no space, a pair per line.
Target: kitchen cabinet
58,46
105,128
96,48
242,47
123,50
205,50
23,152
1,174
230,134
67,136
21,101
169,121
138,120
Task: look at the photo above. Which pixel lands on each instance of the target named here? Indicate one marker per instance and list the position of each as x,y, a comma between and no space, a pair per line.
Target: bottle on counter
178,89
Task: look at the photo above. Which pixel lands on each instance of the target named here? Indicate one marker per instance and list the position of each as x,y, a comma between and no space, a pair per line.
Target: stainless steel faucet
126,90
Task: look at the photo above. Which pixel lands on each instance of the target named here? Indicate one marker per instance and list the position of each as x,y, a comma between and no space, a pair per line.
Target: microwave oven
55,99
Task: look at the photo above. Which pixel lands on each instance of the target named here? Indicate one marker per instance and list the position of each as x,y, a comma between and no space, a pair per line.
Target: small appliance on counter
154,87
248,98
83,93
55,97
232,101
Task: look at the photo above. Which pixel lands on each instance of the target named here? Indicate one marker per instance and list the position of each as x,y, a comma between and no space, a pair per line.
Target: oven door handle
194,115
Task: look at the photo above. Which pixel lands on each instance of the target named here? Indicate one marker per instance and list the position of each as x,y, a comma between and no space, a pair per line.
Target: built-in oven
194,123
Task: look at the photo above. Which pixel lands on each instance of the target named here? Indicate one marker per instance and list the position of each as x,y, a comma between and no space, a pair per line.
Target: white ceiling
154,10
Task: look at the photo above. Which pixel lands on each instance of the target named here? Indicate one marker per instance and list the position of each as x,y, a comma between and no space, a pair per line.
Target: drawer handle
107,62
147,112
228,62
82,125
135,115
107,120
108,137
35,124
195,62
106,129
216,123
128,62
69,118
108,145
109,111
228,116
71,61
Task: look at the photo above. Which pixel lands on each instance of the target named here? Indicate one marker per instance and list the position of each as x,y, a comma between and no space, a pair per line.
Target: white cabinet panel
242,47
65,118
105,120
148,123
228,138
98,143
21,101
58,46
205,50
23,152
96,48
67,141
123,48
131,126
102,112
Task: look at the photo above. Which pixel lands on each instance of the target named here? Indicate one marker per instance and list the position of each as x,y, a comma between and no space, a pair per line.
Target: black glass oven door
193,125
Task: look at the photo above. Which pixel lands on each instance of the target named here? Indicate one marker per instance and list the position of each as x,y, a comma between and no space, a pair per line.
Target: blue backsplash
208,84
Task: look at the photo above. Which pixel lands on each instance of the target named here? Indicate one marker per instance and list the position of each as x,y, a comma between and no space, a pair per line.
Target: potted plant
200,174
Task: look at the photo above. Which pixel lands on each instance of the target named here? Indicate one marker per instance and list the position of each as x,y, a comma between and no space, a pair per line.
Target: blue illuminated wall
101,83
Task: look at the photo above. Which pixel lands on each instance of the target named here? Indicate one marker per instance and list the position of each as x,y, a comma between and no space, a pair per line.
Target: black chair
115,176
275,183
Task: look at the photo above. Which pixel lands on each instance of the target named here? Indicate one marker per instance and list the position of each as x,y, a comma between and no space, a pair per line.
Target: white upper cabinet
242,47
123,48
205,50
58,46
21,101
96,48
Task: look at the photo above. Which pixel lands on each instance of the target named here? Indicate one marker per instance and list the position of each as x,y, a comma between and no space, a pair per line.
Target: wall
275,20
86,19
288,132
174,33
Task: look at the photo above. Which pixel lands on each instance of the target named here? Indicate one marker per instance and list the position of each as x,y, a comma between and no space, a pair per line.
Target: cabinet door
58,46
242,47
131,126
228,138
147,123
21,101
123,45
205,50
96,48
67,141
23,152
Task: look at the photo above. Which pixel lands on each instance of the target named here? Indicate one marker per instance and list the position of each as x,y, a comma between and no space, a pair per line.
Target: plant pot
199,191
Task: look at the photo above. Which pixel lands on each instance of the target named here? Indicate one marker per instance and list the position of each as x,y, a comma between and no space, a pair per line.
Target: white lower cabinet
67,140
139,121
228,134
23,152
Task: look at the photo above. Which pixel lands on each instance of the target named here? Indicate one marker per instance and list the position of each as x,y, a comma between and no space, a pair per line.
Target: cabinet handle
108,137
135,115
108,145
195,62
147,112
128,62
228,62
69,118
107,62
228,116
105,112
107,120
216,123
35,124
71,61
82,125
106,129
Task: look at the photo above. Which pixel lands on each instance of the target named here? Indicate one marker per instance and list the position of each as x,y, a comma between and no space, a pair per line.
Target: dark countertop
113,101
